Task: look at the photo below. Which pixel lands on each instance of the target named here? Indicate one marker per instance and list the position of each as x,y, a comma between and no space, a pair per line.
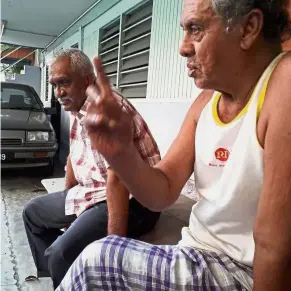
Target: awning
35,24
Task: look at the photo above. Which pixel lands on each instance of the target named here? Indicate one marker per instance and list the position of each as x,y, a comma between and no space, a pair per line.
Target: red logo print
222,154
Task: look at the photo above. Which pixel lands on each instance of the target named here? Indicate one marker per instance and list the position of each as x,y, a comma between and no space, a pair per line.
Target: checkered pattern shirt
90,167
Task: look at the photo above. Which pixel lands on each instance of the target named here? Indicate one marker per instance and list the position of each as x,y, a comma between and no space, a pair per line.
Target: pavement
18,187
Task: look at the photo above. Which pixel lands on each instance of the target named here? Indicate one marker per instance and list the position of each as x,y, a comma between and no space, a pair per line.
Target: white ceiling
36,22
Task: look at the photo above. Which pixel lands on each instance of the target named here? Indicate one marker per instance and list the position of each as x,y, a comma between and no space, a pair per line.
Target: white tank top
229,177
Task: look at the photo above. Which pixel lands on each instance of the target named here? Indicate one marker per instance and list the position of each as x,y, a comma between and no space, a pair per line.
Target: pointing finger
93,94
102,80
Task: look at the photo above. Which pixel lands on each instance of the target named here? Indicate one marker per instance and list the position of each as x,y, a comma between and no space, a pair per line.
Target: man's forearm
272,272
118,208
155,195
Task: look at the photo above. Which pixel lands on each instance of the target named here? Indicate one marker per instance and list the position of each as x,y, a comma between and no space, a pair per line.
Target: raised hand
109,127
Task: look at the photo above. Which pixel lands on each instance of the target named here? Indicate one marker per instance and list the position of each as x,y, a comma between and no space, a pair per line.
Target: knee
29,209
96,253
92,254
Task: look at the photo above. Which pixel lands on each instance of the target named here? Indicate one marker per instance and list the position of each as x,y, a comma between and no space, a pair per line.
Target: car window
18,98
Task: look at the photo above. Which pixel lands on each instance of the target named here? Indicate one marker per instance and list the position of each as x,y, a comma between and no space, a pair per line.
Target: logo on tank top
222,154
221,157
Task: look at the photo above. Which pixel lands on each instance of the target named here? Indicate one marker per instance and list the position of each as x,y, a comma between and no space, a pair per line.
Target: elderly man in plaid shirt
95,202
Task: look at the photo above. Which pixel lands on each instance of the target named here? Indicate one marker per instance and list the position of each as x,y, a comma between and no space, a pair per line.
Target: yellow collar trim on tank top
215,111
243,111
262,97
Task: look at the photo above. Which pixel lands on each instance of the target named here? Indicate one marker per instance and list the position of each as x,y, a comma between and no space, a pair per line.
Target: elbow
159,205
276,247
165,196
156,208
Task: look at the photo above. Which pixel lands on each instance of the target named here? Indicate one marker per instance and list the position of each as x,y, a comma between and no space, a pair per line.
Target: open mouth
192,69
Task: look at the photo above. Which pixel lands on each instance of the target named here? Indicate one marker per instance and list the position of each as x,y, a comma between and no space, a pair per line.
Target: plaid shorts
117,263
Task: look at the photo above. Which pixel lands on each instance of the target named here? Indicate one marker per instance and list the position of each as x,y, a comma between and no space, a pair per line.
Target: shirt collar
82,112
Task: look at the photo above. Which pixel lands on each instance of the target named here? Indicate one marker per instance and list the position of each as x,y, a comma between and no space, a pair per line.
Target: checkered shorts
117,263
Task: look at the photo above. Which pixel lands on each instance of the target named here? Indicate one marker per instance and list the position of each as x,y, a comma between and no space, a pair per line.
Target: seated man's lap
140,219
88,227
116,262
91,225
48,210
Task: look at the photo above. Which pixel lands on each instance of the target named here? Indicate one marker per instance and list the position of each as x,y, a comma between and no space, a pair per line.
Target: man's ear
252,28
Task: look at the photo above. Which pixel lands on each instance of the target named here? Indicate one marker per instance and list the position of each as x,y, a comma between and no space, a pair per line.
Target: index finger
102,80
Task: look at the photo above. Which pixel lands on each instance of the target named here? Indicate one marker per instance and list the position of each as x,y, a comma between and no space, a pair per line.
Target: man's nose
59,92
187,48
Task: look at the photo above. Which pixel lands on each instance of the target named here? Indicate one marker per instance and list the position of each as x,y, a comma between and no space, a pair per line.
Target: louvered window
109,49
76,45
125,55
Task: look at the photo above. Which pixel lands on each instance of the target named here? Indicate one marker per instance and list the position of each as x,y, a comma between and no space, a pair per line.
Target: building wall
170,92
102,7
30,77
88,39
167,79
91,31
164,120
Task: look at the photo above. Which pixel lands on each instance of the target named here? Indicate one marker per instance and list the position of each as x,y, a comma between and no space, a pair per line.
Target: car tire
48,170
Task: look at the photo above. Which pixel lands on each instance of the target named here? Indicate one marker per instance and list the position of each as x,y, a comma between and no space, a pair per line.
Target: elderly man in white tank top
236,138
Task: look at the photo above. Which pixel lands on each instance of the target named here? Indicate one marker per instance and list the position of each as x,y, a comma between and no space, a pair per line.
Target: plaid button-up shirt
89,166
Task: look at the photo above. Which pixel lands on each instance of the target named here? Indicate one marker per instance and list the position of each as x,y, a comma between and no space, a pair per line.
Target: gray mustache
62,100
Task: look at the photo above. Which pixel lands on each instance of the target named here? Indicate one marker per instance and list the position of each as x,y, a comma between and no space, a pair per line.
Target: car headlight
38,136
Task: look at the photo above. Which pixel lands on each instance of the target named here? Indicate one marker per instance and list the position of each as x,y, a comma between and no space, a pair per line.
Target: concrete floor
18,187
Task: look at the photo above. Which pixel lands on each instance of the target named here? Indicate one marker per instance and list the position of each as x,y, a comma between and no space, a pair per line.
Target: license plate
6,157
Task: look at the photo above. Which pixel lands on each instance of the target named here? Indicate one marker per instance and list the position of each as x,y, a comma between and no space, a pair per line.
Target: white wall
164,120
167,77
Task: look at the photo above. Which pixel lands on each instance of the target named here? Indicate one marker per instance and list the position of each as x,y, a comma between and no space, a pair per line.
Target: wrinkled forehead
197,9
60,67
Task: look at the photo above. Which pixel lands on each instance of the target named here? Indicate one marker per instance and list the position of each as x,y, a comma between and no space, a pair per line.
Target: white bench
54,184
168,228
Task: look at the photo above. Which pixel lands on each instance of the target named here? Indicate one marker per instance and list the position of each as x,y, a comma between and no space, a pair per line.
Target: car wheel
48,170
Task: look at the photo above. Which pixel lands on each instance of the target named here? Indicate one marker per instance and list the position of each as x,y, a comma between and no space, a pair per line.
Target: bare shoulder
278,97
279,87
283,70
199,104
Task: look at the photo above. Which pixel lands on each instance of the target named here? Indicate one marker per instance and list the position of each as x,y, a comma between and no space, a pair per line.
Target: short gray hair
276,16
80,62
